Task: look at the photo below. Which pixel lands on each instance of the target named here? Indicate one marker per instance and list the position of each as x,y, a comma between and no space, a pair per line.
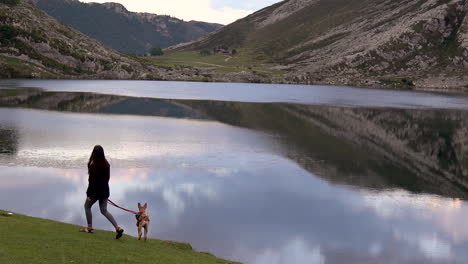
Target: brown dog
142,220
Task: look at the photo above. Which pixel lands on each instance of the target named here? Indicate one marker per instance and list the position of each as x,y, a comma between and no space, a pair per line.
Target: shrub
205,52
10,2
156,51
8,32
60,46
38,36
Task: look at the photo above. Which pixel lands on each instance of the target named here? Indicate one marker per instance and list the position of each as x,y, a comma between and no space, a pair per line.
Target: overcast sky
218,11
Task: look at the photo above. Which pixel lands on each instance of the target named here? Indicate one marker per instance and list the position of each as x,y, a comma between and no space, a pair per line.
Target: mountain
34,45
128,32
398,43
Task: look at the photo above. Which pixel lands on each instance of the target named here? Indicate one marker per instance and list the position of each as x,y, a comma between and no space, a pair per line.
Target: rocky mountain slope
34,45
398,43
128,32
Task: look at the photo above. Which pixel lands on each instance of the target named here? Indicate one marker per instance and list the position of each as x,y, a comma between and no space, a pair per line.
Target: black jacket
98,181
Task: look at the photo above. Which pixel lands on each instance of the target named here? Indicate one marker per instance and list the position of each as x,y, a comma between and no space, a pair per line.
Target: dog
142,220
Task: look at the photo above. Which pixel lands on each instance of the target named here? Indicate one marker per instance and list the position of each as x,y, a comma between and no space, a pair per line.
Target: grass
26,239
15,68
243,61
8,92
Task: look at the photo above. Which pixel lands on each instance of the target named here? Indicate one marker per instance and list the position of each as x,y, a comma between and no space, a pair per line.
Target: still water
257,183
247,92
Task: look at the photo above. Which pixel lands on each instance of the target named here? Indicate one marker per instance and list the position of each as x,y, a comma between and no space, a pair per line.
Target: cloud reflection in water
266,215
226,190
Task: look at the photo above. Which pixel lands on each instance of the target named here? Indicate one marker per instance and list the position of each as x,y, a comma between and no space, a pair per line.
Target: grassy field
243,61
32,240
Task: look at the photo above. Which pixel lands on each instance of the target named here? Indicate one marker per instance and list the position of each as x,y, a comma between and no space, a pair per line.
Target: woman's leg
103,207
89,216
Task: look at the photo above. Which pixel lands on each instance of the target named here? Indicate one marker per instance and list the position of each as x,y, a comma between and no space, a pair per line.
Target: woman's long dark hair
97,158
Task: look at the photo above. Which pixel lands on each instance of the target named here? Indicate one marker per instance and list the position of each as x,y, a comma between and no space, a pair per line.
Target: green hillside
33,240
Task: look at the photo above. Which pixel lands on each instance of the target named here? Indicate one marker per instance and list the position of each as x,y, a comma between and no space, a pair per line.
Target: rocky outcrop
416,41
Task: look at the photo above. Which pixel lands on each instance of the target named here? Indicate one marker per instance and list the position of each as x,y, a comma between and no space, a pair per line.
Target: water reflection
95,103
418,150
51,139
152,107
242,92
423,151
267,213
258,183
8,140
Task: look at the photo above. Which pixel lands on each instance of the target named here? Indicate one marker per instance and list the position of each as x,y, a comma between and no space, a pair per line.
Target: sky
215,11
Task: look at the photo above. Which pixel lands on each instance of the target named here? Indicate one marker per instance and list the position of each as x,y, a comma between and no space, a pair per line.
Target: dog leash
127,210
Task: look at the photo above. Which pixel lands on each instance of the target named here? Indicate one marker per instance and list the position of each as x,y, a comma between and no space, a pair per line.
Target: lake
295,174
248,92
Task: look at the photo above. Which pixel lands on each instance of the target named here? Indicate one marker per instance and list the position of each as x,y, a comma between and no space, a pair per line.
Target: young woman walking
98,189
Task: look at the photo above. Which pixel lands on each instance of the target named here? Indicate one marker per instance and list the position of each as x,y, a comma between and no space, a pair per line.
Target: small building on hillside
221,51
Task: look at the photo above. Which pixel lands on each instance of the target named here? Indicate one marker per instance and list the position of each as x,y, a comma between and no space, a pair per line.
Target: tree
205,52
156,51
8,32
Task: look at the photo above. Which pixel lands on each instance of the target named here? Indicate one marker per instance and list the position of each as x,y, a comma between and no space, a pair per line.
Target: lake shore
33,240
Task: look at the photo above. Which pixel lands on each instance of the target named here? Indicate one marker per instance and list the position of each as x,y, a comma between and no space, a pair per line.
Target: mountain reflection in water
259,183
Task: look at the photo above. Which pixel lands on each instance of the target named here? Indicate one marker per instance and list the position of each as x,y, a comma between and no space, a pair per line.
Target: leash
127,210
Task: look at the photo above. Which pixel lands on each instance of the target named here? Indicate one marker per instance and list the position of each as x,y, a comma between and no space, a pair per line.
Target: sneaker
119,233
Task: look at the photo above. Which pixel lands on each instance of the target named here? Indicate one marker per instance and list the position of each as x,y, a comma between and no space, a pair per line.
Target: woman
98,189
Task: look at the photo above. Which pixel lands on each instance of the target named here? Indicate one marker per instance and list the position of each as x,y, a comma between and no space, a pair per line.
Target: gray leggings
103,207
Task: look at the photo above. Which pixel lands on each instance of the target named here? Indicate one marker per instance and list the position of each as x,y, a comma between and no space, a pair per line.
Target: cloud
295,252
216,11
247,5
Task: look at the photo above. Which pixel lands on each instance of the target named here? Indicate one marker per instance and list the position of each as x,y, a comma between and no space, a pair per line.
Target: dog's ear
139,205
146,205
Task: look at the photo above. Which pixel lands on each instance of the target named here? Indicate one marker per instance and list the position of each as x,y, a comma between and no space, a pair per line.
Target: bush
38,36
157,51
8,32
205,52
10,2
8,71
401,83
